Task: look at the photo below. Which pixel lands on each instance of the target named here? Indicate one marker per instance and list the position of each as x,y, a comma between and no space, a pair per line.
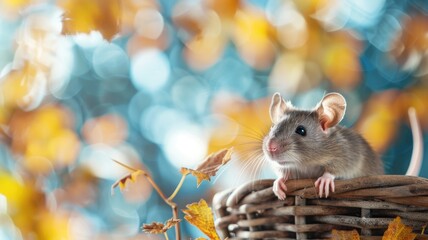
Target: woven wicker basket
367,204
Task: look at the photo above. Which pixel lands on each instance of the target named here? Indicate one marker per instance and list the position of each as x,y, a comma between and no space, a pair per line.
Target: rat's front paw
279,188
324,184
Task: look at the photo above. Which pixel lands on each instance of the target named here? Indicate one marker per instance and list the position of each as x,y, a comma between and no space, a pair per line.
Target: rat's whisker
257,132
248,162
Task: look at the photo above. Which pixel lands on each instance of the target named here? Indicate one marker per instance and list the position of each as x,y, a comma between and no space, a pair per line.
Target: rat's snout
272,146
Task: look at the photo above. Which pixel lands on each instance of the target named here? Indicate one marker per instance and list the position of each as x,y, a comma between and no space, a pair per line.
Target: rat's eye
301,130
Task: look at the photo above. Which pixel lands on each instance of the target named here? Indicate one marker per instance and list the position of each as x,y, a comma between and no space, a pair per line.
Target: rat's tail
418,150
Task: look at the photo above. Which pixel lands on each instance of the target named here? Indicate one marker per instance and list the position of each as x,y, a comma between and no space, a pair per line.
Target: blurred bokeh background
160,84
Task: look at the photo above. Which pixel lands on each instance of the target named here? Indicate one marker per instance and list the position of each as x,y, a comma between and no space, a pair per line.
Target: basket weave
367,204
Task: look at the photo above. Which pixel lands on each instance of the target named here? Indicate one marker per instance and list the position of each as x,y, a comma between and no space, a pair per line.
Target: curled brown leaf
200,176
153,228
209,167
171,223
159,228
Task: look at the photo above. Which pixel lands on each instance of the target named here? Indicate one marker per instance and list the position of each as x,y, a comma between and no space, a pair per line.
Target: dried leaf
171,223
200,215
122,182
200,176
153,228
159,228
345,235
209,166
131,176
213,162
81,16
398,231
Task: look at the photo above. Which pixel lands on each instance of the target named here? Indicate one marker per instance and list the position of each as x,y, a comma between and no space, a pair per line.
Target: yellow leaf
131,176
209,167
345,235
159,228
82,16
398,231
122,182
200,215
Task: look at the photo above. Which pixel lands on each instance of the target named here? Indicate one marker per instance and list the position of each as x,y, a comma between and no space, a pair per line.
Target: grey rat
311,144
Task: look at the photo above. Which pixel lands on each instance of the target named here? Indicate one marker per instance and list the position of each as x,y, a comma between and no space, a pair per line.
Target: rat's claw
279,188
324,183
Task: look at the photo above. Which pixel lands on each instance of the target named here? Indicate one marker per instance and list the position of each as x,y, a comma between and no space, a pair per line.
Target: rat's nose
272,146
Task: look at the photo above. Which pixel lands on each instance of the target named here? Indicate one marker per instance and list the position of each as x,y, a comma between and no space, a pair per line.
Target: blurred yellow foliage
23,201
81,16
378,124
12,8
16,85
45,138
207,47
16,192
412,42
253,38
342,66
384,111
16,3
54,226
79,188
416,97
245,126
110,129
226,9
144,20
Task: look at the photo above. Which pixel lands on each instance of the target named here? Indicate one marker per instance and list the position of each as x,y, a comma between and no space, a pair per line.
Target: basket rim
384,187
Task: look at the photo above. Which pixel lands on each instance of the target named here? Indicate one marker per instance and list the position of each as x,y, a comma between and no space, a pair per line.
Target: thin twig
166,235
125,166
172,204
178,187
177,226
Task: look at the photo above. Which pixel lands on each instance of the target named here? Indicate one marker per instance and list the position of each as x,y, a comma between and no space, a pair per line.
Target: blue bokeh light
150,70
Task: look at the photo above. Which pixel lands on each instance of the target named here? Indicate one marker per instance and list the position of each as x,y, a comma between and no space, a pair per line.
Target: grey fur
339,151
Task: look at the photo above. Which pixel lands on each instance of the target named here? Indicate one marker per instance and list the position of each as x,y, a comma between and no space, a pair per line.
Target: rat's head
297,136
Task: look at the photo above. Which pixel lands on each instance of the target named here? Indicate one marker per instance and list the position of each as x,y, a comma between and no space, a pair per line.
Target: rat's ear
331,110
278,106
